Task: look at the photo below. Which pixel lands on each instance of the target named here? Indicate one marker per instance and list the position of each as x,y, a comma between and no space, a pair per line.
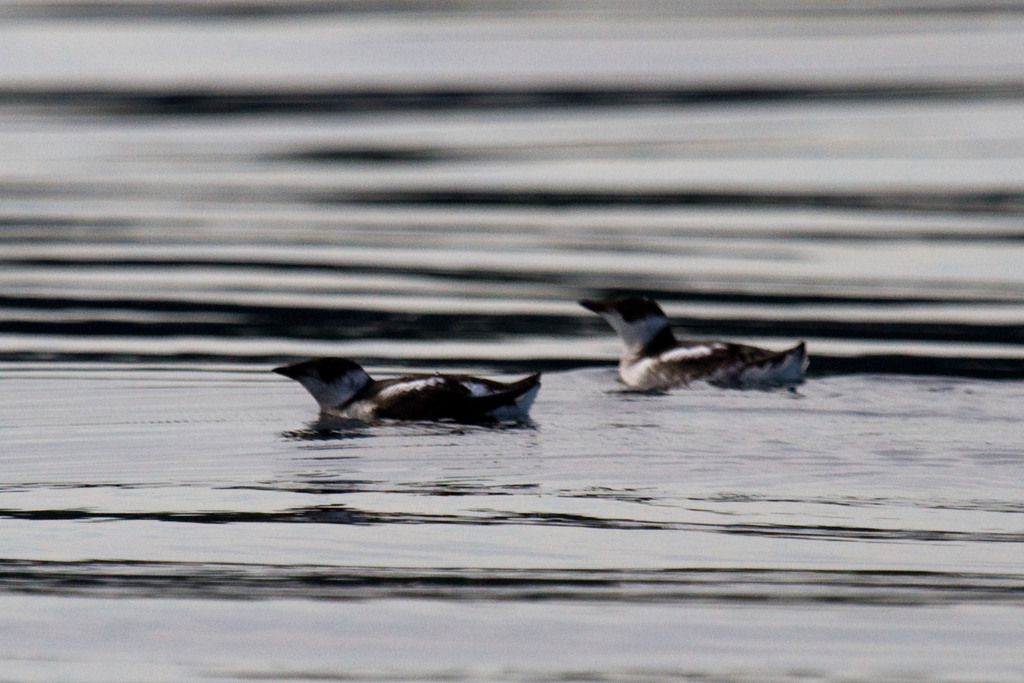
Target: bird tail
512,401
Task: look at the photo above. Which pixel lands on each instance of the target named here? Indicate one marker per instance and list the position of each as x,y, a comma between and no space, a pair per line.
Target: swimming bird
343,389
654,360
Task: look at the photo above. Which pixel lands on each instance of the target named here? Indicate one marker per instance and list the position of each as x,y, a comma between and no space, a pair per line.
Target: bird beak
595,306
288,371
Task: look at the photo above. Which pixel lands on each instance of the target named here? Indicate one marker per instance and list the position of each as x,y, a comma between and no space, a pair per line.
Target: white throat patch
636,334
332,394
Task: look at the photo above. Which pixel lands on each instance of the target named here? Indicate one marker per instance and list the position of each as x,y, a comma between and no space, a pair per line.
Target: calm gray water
192,194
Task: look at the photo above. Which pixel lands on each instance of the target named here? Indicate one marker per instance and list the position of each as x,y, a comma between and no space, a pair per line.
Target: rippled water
699,534
192,195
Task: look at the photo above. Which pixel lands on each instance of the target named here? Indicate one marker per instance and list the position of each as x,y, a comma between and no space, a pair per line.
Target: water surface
187,504
192,195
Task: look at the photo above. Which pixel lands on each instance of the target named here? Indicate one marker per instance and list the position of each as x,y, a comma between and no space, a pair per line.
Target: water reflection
327,428
330,428
339,513
453,229
188,580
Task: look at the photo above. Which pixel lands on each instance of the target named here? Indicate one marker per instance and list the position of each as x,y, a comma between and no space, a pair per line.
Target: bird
342,388
653,359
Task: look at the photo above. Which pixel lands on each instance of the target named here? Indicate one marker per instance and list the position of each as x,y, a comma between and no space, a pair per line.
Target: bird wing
437,397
